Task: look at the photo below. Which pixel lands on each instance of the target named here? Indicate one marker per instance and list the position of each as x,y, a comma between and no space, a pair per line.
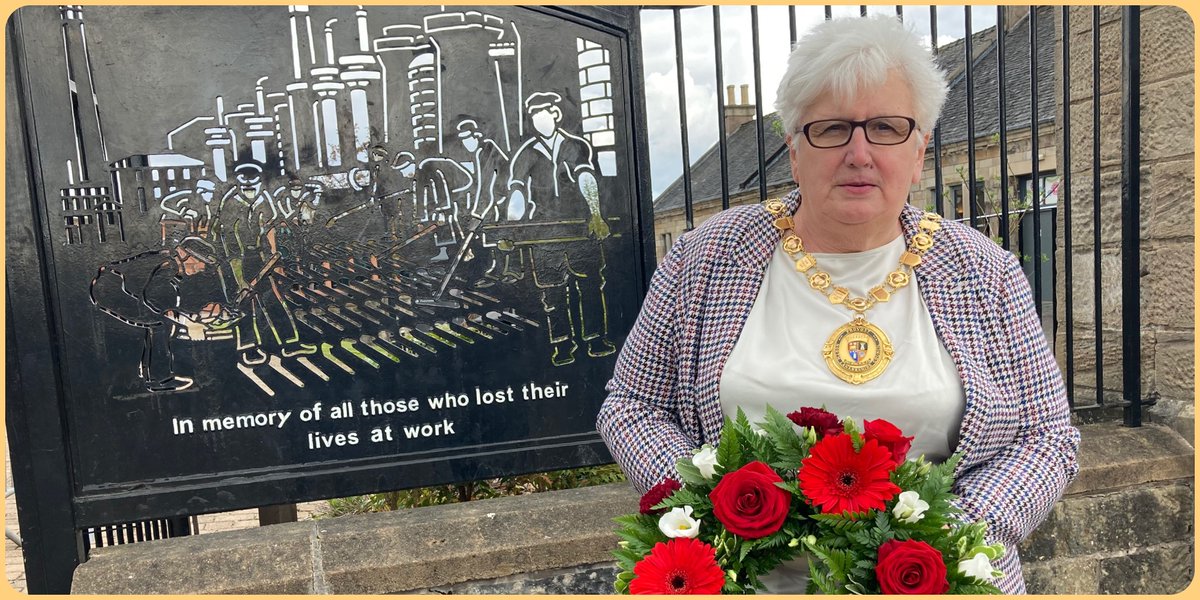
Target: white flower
679,523
706,461
978,567
910,508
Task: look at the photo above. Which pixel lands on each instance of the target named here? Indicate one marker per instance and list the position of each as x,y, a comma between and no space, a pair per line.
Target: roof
985,80
742,155
743,145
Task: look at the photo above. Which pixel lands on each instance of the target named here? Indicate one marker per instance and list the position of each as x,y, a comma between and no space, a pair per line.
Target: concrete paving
14,565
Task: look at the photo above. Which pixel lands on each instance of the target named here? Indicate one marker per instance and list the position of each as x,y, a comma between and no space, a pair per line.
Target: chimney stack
737,114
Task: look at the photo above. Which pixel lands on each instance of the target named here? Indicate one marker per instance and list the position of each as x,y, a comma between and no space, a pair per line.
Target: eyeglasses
881,131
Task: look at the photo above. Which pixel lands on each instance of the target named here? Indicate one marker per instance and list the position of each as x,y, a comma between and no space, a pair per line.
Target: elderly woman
843,295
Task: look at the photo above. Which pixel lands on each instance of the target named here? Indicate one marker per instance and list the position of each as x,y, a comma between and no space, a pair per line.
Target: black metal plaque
294,252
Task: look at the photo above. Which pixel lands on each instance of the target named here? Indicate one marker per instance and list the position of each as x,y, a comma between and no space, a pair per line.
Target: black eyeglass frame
912,126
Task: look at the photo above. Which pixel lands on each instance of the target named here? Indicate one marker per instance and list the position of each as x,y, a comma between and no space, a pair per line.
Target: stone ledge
1115,521
1113,456
266,560
557,538
454,543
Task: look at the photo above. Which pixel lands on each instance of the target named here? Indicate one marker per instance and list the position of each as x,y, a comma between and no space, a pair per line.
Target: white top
777,360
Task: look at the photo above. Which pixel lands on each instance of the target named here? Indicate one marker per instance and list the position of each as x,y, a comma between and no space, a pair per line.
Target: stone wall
1167,210
1125,526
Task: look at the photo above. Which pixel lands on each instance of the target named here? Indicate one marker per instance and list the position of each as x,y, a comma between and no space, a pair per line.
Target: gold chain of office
858,351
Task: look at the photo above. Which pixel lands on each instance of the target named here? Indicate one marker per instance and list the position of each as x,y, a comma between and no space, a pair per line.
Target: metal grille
1013,64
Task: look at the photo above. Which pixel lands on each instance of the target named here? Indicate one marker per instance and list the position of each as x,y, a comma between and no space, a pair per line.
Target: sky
699,65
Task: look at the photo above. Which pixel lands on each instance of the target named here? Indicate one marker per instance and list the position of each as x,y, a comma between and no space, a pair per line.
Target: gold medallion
858,351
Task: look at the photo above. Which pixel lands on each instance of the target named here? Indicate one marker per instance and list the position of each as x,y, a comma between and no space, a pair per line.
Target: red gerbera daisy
836,478
680,566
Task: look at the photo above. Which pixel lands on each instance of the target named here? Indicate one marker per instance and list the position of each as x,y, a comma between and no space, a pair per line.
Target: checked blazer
1017,442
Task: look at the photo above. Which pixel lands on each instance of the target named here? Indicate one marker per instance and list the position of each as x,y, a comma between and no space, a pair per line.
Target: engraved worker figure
386,187
188,210
439,186
488,165
244,233
144,291
296,203
552,187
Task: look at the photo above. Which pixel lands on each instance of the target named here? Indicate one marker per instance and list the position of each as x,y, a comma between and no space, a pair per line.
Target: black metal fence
1039,191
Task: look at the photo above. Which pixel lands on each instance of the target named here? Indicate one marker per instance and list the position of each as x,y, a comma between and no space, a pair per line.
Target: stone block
1175,365
1168,189
1081,60
1166,125
1082,134
1083,209
1168,284
1168,36
1168,41
1112,456
416,549
1166,569
1065,576
1084,372
1083,274
587,579
266,560
1132,517
1167,118
1081,17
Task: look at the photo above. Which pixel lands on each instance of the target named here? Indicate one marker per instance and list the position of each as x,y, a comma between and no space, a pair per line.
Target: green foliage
689,474
790,448
475,490
842,548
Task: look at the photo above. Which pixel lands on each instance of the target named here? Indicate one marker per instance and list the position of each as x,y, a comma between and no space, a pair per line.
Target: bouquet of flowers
869,519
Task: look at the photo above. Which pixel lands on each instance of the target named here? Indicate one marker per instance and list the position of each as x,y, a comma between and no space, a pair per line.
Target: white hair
846,56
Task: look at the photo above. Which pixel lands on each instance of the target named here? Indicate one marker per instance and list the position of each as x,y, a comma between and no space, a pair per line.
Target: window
956,198
979,203
1049,188
664,245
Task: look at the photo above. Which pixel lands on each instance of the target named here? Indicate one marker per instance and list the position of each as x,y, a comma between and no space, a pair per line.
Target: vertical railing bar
939,202
900,12
1002,95
1034,176
683,128
792,26
1097,268
828,12
1064,200
862,10
722,141
758,113
968,58
1131,160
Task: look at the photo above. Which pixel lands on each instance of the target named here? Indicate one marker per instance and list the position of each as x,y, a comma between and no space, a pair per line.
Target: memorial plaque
294,252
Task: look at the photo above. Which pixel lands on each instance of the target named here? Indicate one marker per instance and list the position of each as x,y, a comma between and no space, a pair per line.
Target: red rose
910,567
748,503
825,422
889,436
657,494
